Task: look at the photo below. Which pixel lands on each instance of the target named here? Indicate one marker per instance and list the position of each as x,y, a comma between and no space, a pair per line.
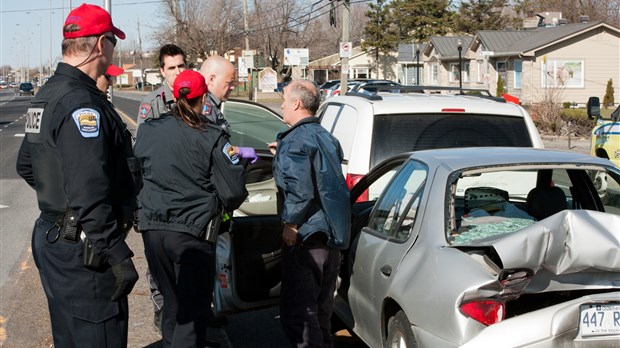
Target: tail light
336,92
353,179
485,311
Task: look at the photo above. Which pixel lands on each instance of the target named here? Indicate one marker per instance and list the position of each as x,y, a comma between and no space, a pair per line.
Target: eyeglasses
107,77
112,39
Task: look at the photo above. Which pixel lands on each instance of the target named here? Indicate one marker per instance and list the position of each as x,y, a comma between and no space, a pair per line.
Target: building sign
267,80
296,56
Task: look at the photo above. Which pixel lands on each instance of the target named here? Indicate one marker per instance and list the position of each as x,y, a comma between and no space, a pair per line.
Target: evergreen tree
375,41
417,20
474,15
608,99
500,87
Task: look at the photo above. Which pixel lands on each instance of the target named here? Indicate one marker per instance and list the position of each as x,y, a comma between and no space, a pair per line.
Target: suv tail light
353,179
485,311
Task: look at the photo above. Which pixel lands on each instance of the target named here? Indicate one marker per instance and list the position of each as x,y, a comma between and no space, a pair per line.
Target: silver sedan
485,247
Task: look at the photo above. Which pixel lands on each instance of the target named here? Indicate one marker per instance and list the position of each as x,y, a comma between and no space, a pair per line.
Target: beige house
570,62
361,66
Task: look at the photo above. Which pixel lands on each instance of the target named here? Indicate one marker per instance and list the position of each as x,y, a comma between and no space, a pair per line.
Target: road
24,320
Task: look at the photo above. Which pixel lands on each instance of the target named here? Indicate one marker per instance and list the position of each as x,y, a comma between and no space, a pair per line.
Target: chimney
584,19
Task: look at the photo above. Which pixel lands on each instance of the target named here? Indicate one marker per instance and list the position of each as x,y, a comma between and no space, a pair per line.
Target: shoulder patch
230,153
87,121
145,108
206,109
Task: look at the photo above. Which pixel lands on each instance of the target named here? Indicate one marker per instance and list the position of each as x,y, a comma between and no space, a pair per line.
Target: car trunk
566,256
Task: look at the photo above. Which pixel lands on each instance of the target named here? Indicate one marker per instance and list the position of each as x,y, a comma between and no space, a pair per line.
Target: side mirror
616,114
594,107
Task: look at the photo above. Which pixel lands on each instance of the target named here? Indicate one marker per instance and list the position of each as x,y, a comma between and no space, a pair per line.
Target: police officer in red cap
191,175
77,155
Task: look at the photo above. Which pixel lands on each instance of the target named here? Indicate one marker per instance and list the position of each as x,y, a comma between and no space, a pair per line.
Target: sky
26,35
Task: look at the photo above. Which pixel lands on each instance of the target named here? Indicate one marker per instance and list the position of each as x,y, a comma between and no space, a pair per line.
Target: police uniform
158,102
212,109
77,156
189,174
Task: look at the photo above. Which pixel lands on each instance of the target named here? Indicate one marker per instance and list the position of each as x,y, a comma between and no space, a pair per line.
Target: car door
248,250
381,245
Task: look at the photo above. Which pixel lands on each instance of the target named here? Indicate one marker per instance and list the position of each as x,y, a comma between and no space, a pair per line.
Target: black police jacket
77,154
190,175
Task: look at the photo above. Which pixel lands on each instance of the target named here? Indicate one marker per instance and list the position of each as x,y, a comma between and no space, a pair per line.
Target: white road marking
20,135
3,206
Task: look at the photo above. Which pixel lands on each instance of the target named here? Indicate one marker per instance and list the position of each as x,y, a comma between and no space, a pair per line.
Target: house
361,66
571,62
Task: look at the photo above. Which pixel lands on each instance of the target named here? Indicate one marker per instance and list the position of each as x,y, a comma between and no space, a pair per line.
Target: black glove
126,278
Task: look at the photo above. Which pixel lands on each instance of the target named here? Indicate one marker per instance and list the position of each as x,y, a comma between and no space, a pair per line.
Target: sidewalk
575,144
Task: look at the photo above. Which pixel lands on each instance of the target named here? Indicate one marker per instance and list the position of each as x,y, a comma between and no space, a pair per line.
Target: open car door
248,250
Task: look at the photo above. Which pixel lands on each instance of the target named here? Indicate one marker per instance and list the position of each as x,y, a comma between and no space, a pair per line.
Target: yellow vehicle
606,133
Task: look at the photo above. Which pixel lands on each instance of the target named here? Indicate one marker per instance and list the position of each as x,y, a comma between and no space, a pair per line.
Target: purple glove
248,153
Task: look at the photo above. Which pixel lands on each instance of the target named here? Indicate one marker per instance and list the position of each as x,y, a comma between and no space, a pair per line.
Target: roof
405,103
406,52
329,62
547,35
500,40
447,46
459,158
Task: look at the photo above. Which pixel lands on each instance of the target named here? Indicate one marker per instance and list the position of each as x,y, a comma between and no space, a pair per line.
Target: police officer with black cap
77,155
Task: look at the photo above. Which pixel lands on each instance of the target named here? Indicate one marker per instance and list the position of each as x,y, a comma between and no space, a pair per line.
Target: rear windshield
394,134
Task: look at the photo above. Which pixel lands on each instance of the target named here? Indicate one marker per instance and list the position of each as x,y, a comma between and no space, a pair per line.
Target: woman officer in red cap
191,174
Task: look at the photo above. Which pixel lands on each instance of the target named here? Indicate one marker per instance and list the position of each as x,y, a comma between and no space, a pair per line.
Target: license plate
600,319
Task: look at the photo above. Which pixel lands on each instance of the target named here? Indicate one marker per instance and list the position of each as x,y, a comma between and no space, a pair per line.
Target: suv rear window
394,134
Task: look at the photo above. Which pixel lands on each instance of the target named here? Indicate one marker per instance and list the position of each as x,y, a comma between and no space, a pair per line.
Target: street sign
296,56
345,49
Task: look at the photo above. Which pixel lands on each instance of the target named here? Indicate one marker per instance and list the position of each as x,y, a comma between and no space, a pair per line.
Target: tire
399,333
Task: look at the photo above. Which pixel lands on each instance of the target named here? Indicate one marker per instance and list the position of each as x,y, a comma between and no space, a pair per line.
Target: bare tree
201,27
204,27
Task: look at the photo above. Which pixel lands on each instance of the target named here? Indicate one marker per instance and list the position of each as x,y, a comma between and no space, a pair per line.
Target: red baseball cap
114,70
92,20
190,79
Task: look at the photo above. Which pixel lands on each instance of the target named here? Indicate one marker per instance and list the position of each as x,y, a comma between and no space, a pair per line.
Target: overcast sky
26,27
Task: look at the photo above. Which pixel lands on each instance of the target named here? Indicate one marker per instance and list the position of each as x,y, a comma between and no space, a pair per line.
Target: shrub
608,99
500,87
566,105
580,124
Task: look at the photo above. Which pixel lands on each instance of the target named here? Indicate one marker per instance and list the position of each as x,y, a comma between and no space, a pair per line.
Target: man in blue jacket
313,202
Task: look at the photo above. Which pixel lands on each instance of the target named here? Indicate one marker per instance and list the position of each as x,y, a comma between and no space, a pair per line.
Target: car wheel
399,333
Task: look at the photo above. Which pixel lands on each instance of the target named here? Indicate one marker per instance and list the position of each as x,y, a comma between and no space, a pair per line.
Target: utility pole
108,7
246,28
50,65
142,77
344,61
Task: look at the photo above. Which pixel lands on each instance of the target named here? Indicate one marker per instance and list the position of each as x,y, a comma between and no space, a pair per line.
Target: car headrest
544,202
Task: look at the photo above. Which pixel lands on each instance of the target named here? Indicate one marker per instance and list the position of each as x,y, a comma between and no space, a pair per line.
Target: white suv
371,128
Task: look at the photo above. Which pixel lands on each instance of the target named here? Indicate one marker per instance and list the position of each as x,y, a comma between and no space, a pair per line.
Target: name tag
33,120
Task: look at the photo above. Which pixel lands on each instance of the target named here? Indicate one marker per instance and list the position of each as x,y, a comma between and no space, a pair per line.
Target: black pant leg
309,275
185,269
81,312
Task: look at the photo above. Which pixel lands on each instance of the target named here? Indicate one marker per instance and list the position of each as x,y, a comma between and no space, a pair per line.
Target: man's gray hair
307,93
